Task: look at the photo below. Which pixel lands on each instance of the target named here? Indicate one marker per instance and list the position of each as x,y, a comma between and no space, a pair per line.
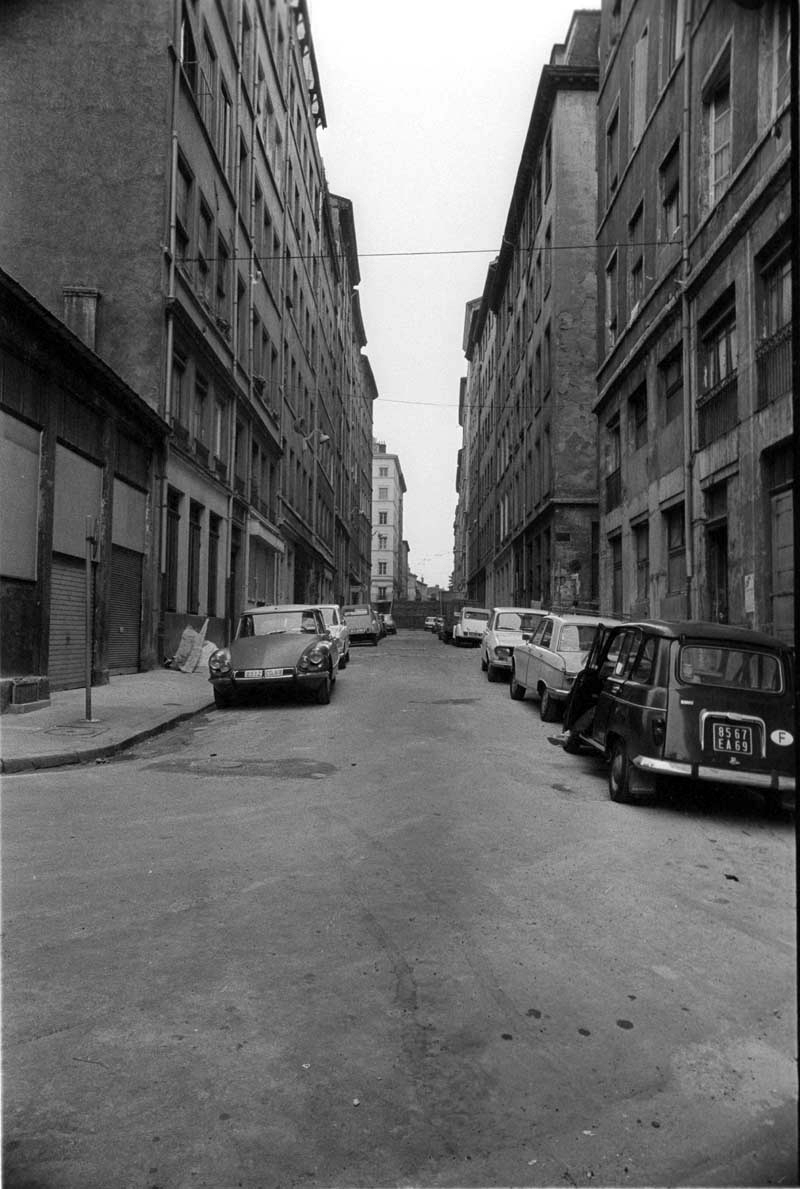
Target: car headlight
314,658
219,662
503,653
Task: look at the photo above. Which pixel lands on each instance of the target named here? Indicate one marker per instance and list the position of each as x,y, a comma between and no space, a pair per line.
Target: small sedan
503,632
430,623
363,624
700,701
547,663
275,647
337,626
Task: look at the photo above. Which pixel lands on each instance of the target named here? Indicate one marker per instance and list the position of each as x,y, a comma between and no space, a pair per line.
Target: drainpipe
282,485
688,337
170,339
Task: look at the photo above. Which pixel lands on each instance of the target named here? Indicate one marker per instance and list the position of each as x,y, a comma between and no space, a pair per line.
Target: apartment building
389,579
188,236
694,311
528,475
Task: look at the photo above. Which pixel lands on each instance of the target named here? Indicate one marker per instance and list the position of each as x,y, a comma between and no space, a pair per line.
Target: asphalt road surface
400,940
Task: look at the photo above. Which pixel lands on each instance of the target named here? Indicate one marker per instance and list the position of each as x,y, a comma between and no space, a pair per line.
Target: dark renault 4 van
704,701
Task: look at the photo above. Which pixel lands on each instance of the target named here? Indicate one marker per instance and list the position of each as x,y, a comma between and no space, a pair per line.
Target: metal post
89,603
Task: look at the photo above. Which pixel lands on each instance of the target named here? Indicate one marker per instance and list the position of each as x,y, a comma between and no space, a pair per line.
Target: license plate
738,740
253,673
272,673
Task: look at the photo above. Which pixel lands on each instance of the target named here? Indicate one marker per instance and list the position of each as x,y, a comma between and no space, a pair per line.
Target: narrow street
396,940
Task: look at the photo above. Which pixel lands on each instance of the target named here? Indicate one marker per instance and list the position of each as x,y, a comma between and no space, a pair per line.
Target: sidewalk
131,707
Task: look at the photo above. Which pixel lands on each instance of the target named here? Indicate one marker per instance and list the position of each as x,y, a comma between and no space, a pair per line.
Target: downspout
282,485
173,180
687,332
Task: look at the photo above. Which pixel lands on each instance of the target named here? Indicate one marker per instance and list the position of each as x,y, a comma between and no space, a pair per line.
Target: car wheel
619,783
375,641
324,691
516,690
222,701
548,707
484,665
492,673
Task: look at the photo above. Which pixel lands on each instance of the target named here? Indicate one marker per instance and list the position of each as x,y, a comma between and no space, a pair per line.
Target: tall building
163,194
694,311
528,471
389,579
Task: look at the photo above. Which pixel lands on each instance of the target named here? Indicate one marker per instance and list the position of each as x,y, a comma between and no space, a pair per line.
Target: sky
427,104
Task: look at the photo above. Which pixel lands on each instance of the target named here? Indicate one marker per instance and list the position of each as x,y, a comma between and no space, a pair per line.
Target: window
776,286
383,472
641,546
676,550
183,212
548,258
718,114
636,259
214,523
671,381
383,541
383,592
613,470
669,182
637,418
674,21
179,395
199,428
612,301
615,548
195,538
204,252
717,407
382,567
383,518
612,155
546,363
548,161
188,52
171,549
774,348
224,129
383,493
782,54
638,90
207,84
220,430
222,279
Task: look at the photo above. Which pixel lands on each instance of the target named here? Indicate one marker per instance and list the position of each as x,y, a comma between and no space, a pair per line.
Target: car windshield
576,637
735,668
516,621
357,611
270,623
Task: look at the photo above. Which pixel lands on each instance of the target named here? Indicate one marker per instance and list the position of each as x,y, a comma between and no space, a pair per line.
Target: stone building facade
389,552
529,475
694,401
189,237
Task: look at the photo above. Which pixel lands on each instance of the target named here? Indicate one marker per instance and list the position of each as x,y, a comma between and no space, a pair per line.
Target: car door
613,711
523,652
600,662
540,664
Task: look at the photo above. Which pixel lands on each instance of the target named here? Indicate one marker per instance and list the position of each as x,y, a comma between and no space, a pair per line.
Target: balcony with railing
718,411
774,366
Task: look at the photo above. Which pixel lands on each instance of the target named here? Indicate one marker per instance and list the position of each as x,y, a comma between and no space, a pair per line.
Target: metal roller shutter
67,657
124,612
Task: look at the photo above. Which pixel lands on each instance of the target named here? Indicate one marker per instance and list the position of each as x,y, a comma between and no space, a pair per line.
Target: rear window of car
358,611
470,614
515,621
730,667
575,637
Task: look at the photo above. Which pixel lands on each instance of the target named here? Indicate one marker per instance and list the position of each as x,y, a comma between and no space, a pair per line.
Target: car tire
515,690
572,744
222,701
484,665
324,691
492,673
619,774
548,707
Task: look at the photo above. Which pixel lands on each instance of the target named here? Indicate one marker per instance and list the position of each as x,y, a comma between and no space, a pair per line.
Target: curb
66,759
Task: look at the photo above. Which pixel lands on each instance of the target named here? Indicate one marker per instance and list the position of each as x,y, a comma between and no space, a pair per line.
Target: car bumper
237,683
766,781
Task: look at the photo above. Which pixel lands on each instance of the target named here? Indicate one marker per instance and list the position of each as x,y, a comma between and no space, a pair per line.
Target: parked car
700,701
430,623
363,623
468,629
546,664
503,632
389,626
280,646
337,626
